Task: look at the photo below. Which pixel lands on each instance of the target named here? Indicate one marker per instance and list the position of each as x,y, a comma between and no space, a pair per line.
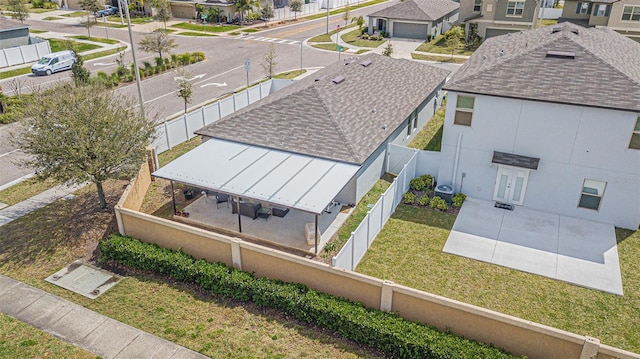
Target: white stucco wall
573,143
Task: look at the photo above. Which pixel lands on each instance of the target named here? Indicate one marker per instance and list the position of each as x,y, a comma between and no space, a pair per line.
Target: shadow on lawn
426,216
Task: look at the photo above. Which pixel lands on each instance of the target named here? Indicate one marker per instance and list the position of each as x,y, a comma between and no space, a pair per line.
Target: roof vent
353,60
575,31
561,54
555,29
365,63
501,53
338,80
484,57
321,78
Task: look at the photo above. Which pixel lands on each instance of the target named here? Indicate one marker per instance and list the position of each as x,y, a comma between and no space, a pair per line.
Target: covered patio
277,196
570,249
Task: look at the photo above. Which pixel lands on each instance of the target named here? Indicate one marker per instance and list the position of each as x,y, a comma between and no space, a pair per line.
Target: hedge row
385,331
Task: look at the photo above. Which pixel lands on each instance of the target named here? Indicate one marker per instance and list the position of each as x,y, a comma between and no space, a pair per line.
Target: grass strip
351,38
430,137
289,74
95,39
59,45
104,53
443,58
206,28
35,31
15,72
388,332
341,10
329,46
193,33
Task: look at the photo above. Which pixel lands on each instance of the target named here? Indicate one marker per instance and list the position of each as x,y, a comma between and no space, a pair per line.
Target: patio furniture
264,213
246,209
308,232
279,212
222,198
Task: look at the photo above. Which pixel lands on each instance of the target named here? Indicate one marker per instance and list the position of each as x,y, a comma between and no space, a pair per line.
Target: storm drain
84,279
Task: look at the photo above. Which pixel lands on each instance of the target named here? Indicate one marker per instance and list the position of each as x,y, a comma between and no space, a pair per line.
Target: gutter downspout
455,161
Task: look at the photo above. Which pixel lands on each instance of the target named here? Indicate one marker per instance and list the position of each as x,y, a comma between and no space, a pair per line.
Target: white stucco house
549,119
415,19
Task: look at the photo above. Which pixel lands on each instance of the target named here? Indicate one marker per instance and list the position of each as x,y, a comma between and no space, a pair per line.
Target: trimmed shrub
408,198
388,332
458,199
417,184
185,59
424,200
197,56
439,203
428,180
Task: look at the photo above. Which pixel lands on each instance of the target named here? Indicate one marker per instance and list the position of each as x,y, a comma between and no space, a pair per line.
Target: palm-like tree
213,13
246,5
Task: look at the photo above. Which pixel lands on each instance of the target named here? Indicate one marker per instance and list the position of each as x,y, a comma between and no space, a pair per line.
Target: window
464,110
515,8
592,192
409,126
415,120
635,137
583,8
477,5
601,10
631,13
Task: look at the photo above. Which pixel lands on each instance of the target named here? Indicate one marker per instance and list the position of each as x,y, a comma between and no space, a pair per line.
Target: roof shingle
422,10
604,73
344,122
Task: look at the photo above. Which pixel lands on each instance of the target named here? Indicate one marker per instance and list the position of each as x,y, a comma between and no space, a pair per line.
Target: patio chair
222,198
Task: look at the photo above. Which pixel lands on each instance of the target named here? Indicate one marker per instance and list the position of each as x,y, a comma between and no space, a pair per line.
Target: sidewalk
82,327
11,213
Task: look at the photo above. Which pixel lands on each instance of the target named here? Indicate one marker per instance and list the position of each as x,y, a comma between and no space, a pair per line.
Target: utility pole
133,54
327,3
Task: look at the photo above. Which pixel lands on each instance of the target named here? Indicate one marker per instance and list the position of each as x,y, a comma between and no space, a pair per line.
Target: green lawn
206,28
443,58
110,24
52,18
75,14
330,46
351,38
95,39
36,31
289,74
25,190
408,251
250,30
20,340
134,20
439,46
59,45
430,137
327,37
193,33
15,72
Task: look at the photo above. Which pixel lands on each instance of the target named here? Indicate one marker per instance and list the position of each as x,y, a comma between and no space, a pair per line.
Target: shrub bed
385,331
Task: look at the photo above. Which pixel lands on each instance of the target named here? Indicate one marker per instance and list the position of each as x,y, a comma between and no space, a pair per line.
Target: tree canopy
295,6
157,41
18,10
84,134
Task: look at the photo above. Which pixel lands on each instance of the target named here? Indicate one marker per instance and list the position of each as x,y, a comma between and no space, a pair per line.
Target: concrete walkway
82,327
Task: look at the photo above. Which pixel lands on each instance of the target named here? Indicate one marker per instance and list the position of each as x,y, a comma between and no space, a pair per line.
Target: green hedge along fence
385,331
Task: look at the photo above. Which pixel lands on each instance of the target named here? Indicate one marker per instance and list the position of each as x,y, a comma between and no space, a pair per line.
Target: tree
157,41
84,134
346,14
269,62
18,10
246,5
79,73
163,10
295,6
388,50
359,21
214,13
267,13
453,38
90,6
185,89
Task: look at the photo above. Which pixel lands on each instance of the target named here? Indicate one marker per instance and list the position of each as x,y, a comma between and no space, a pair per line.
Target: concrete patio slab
569,249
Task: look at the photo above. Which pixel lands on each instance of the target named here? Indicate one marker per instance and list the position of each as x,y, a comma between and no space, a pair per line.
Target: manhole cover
84,279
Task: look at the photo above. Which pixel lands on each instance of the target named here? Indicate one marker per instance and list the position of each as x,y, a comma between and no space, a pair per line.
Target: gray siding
570,144
527,15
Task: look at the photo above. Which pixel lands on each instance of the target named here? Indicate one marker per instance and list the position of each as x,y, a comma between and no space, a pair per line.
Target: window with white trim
601,10
591,195
477,5
635,137
515,8
464,110
631,13
409,126
583,8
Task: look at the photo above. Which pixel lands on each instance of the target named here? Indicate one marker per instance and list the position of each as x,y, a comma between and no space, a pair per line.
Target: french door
511,184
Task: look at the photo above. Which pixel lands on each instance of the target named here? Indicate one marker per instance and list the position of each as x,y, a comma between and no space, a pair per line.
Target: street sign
247,64
340,48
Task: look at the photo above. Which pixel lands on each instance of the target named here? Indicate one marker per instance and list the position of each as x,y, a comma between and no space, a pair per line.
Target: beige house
622,16
489,18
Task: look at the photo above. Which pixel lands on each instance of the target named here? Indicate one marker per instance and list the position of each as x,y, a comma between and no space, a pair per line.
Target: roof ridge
336,124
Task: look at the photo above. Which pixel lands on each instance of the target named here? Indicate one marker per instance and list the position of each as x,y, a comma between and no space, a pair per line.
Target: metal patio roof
283,178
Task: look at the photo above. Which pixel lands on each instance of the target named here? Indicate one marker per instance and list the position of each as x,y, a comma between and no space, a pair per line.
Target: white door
511,184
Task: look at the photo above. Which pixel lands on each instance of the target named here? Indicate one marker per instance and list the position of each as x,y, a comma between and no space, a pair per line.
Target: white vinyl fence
176,131
22,54
406,161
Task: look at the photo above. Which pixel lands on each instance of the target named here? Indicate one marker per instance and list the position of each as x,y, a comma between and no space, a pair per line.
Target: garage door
498,32
410,31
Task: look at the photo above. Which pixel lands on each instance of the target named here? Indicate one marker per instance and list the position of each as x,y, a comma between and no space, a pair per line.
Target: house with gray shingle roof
415,19
620,15
549,119
346,113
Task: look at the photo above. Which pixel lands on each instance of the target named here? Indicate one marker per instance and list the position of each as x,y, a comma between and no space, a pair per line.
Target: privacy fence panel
390,202
177,132
194,123
343,259
25,53
227,106
241,100
428,163
359,243
14,56
398,157
376,221
211,113
29,53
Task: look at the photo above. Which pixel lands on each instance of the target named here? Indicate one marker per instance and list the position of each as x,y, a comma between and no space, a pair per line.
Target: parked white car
54,62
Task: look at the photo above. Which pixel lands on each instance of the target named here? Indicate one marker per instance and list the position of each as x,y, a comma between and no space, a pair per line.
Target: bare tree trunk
103,201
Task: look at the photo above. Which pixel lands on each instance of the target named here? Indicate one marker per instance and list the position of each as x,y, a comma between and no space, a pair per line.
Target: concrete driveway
573,250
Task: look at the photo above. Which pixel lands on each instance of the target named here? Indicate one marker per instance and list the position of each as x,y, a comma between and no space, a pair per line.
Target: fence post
203,121
219,110
381,210
590,348
234,103
368,217
352,239
333,261
386,295
236,255
21,54
166,134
